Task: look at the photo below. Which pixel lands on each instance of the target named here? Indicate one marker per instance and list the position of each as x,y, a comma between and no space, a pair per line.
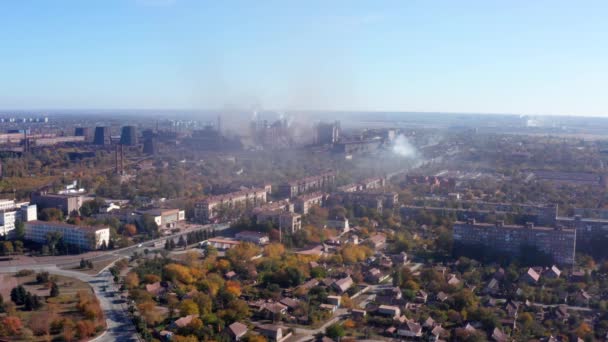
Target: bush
24,273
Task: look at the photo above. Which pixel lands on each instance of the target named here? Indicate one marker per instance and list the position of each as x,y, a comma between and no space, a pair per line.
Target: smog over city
182,170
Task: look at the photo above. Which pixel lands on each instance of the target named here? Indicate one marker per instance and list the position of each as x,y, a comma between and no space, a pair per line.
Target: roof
184,321
533,274
238,329
499,336
251,234
160,212
344,283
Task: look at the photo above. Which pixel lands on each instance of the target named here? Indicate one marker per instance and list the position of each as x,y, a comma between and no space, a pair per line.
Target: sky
520,57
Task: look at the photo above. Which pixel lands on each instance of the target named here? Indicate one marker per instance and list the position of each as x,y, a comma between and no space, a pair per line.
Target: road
119,325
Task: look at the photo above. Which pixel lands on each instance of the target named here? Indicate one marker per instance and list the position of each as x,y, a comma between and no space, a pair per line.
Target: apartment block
219,207
560,243
305,202
307,184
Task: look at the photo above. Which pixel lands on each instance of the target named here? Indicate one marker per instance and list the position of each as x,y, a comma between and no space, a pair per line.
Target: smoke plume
404,148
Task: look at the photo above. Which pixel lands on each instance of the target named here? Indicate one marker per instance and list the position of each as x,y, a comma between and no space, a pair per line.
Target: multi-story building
284,220
85,237
66,203
305,202
307,184
11,213
165,218
560,243
224,206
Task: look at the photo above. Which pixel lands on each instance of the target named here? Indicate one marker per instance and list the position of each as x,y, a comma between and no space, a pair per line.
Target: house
375,276
183,321
230,275
273,309
512,309
377,241
328,307
389,310
273,332
358,314
310,284
399,259
492,287
438,333
453,280
553,272
237,330
582,297
158,289
290,303
442,296
421,296
531,276
165,335
560,313
429,323
577,276
334,300
410,329
342,285
499,336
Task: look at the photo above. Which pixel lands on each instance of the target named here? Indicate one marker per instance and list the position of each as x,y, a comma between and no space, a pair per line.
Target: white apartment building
11,212
83,236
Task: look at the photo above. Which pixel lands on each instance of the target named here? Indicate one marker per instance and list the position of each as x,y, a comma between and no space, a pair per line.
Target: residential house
553,272
237,330
389,310
342,285
273,332
410,329
421,296
499,336
183,321
334,300
531,276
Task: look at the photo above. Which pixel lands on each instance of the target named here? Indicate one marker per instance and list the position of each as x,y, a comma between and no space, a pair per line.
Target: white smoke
404,148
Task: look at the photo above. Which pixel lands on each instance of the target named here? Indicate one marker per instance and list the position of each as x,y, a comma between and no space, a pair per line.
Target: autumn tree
131,280
85,328
177,272
11,326
188,307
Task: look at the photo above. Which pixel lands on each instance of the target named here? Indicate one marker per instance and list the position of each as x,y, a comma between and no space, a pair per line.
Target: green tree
335,331
19,230
18,295
54,290
51,214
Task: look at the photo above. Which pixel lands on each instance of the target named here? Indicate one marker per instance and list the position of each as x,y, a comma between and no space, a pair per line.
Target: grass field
62,307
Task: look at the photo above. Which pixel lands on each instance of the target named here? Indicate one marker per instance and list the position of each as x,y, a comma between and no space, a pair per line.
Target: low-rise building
66,203
218,207
307,184
85,237
165,218
253,237
286,221
389,310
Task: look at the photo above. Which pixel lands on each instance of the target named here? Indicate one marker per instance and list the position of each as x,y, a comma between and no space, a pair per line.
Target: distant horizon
288,111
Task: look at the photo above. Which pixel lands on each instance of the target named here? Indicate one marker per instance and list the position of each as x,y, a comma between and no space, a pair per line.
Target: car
140,245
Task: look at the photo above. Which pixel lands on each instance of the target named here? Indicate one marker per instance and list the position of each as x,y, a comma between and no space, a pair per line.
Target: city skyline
473,57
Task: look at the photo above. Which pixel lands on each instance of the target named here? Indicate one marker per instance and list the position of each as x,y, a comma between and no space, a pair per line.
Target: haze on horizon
520,57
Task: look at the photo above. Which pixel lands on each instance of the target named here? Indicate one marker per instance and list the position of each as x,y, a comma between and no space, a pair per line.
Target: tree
11,326
43,277
130,229
6,248
85,328
54,290
131,280
18,295
188,307
83,263
68,331
19,230
51,214
335,331
32,302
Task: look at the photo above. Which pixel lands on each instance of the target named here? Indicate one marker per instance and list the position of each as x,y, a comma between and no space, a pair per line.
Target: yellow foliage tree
179,273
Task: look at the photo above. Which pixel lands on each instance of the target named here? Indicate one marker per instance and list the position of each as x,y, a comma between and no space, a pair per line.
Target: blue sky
523,57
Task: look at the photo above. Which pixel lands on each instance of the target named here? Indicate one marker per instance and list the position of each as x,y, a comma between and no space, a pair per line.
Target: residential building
342,285
85,237
389,310
556,242
340,223
222,243
285,221
303,203
220,207
307,184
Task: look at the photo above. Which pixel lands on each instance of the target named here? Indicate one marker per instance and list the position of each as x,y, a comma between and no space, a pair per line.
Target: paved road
120,327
